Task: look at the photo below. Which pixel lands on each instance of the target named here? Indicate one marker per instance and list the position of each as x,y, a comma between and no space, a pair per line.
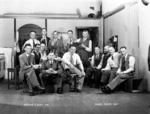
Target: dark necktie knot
33,43
112,57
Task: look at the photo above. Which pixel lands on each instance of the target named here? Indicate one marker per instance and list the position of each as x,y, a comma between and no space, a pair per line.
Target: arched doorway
23,36
24,32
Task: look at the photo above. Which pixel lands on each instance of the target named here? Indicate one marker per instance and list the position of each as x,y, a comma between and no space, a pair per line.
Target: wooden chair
14,80
66,84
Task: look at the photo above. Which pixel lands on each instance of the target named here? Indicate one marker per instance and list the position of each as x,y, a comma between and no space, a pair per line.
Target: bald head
111,50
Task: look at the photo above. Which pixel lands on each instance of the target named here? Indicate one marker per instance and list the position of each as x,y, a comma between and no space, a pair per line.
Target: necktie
112,57
33,43
45,41
71,59
123,68
29,59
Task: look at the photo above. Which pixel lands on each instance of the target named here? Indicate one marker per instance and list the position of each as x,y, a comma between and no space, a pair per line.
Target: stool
131,82
129,85
16,77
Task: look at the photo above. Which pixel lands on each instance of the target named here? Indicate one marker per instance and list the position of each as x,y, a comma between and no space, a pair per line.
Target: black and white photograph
74,56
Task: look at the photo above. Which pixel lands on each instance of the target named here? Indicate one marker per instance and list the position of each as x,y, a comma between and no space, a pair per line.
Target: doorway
24,32
93,33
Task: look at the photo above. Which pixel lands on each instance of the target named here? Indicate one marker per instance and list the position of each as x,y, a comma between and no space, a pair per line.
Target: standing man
74,64
44,38
70,39
109,72
43,52
32,41
56,44
27,70
84,48
125,71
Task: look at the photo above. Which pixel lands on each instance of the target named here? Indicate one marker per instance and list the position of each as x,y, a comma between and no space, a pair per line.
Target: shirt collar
71,54
125,56
43,36
27,54
51,61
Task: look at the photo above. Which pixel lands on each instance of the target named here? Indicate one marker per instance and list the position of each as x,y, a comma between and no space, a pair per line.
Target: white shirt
131,61
43,56
76,59
113,63
30,41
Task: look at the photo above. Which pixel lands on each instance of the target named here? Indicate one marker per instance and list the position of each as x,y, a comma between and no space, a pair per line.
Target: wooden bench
132,84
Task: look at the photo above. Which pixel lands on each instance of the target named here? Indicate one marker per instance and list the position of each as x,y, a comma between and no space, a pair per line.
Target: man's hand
82,45
120,73
35,66
99,67
83,73
103,70
58,59
54,72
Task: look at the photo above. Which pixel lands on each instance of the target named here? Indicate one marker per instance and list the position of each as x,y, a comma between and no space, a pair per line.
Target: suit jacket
43,41
37,57
25,66
56,66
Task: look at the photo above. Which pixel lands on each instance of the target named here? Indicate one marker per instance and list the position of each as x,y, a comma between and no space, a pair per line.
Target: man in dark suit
37,54
52,72
44,39
94,69
27,70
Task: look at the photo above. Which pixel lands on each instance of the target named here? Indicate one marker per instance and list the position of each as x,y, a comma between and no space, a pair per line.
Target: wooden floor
90,101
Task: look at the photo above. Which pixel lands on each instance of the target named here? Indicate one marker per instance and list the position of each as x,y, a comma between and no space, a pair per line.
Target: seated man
37,56
125,71
105,57
94,69
74,64
27,70
109,72
52,72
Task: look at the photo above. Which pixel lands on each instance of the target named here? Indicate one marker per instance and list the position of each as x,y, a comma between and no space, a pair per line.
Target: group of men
48,60
110,69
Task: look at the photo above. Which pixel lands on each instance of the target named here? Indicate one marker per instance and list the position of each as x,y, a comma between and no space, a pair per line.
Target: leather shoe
59,90
40,89
78,91
31,94
106,89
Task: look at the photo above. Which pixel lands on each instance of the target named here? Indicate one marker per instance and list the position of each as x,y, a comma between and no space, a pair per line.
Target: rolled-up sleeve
131,62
